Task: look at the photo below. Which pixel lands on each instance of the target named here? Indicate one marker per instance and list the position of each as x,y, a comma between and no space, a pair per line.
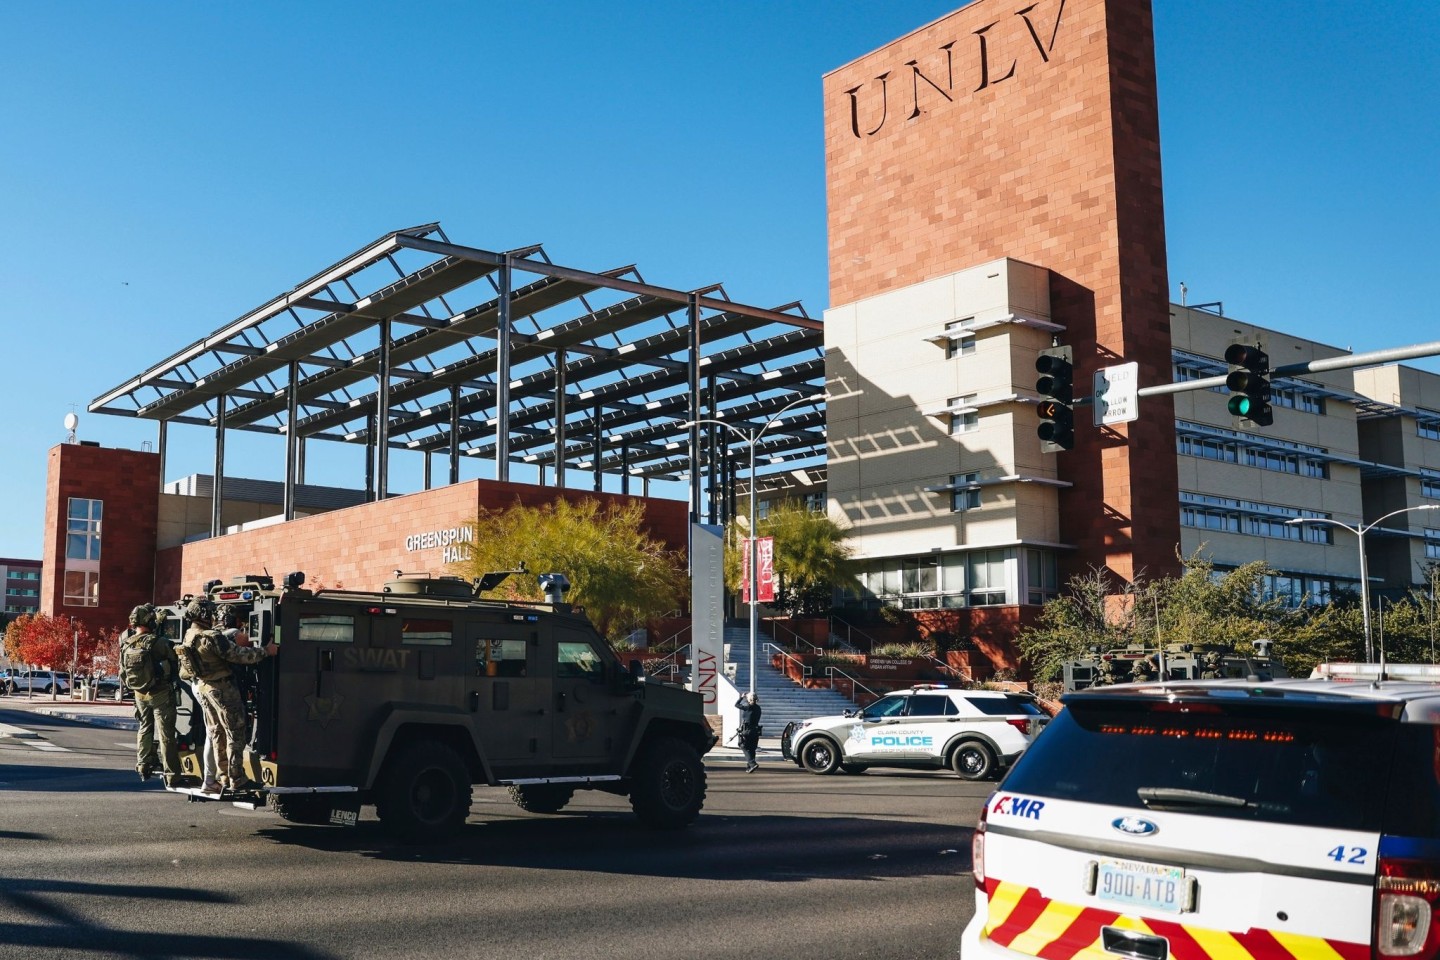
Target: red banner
765,582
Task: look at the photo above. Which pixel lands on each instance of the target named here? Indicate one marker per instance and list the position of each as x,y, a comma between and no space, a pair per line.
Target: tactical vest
199,660
137,662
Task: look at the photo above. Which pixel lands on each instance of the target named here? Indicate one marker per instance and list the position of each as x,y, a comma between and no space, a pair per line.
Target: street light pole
1360,532
752,440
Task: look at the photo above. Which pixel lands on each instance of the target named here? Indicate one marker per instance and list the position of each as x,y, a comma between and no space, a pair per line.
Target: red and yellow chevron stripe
1026,922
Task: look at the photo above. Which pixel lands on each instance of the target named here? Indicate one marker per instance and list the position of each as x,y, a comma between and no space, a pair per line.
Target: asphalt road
782,865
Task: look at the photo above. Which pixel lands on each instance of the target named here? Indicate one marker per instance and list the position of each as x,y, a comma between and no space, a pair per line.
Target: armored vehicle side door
325,693
508,693
592,715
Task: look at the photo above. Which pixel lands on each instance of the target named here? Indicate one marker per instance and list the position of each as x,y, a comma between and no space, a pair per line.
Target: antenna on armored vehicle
555,585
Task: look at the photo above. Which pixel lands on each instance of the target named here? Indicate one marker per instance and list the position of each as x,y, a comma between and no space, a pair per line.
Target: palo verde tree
812,557
618,572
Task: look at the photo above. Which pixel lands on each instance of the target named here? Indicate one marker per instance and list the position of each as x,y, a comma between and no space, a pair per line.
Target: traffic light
1056,386
1249,386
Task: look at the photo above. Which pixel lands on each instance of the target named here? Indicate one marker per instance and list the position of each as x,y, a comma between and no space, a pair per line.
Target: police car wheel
820,755
972,760
424,792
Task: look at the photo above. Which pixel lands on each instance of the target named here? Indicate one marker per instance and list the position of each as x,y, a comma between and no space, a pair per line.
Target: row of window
1229,515
21,592
1429,482
1229,446
23,575
978,578
1429,428
1432,543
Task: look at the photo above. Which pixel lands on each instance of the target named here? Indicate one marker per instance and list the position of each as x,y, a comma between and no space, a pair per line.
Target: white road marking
50,747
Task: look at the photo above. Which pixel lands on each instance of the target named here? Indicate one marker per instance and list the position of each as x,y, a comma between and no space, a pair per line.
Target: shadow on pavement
63,779
50,926
778,848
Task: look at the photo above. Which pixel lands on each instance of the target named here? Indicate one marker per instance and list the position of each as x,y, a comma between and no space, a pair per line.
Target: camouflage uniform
210,655
155,705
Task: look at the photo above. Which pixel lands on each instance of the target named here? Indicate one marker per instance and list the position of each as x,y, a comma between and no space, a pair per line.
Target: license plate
1141,885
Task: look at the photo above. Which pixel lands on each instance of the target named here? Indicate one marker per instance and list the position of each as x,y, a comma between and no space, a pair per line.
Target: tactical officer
149,667
1142,669
207,654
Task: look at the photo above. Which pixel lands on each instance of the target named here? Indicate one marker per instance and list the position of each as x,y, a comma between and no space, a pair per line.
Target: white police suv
1231,819
976,733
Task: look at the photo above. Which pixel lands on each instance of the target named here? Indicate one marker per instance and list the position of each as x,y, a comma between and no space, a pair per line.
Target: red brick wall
1044,147
361,547
128,482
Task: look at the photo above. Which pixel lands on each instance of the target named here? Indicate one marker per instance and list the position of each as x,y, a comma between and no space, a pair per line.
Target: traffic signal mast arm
1350,362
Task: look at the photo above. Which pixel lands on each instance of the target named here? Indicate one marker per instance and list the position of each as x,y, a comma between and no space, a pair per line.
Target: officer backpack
189,659
137,665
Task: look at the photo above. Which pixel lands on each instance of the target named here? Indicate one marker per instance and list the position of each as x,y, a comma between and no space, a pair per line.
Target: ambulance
1218,820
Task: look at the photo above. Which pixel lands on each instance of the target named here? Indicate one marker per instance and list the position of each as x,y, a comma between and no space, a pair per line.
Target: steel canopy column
692,365
217,486
370,457
625,469
713,494
455,434
300,460
160,443
292,438
599,446
502,373
426,471
382,416
560,413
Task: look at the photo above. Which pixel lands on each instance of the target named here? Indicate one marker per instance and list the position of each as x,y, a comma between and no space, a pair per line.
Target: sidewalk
99,713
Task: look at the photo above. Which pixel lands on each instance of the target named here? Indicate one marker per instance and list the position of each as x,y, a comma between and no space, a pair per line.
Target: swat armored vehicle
405,697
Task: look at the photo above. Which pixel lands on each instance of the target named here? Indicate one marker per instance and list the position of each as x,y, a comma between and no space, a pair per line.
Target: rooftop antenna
71,422
1183,290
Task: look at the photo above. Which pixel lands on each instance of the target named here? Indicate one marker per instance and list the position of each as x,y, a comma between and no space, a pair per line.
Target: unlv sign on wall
997,52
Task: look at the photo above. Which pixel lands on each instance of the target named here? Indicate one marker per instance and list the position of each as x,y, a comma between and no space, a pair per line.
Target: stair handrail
950,670
804,667
674,637
832,671
667,664
798,640
848,639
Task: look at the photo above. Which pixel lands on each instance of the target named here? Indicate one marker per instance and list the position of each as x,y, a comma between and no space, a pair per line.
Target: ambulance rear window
1309,767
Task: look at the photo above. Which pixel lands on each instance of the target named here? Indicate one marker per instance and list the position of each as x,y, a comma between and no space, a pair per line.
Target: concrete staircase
781,699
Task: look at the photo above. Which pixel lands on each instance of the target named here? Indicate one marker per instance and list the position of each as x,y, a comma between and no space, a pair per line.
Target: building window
963,422
987,578
1427,423
959,346
1429,483
1432,543
964,499
815,502
1228,515
1297,399
82,539
82,588
1041,577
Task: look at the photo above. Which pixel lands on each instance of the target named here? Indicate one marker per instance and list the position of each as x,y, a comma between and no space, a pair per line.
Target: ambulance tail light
977,850
1407,894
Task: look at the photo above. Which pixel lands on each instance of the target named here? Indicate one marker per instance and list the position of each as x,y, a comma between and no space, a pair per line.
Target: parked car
38,681
976,733
112,688
1219,818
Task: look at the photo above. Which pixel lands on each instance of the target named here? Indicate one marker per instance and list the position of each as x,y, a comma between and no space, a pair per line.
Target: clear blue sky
165,167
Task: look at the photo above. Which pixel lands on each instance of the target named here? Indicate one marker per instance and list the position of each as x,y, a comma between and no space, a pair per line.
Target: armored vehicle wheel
306,808
541,797
820,755
972,760
424,792
667,786
854,767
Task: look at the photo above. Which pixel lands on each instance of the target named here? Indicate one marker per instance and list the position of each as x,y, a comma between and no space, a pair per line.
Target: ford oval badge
1134,826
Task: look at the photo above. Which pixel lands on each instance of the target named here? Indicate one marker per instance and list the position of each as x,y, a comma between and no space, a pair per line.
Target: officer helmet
200,610
142,616
224,614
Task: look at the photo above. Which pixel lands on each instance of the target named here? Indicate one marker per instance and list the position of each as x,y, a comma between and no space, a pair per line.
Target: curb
94,720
